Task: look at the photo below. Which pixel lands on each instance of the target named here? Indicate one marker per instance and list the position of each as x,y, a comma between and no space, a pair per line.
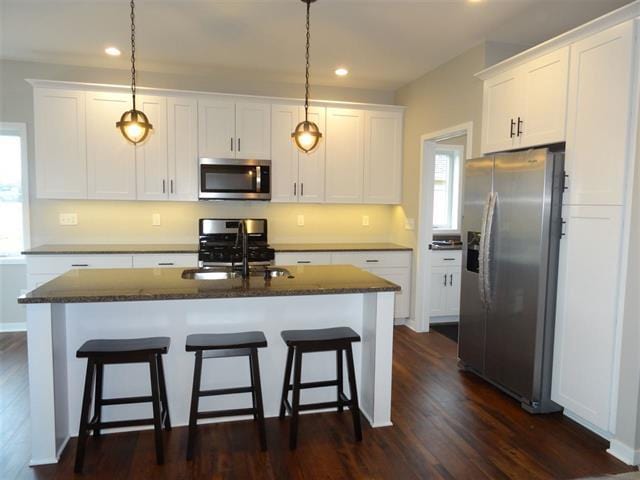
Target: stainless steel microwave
235,179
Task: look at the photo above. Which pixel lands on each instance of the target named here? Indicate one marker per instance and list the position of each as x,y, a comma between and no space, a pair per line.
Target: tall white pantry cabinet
589,101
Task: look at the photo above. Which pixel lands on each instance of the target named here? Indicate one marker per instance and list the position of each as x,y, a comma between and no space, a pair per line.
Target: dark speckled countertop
141,248
129,284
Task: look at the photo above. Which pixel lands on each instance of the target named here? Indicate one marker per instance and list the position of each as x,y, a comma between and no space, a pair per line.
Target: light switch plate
155,220
301,220
68,219
365,220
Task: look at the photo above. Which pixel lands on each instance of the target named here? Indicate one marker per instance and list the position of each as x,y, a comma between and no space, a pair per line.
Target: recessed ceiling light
112,51
341,72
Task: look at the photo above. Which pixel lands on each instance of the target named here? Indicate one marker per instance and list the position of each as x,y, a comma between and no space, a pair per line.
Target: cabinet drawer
372,259
165,260
312,258
446,258
61,263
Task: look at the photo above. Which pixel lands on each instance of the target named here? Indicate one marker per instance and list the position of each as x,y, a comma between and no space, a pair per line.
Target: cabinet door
151,155
438,291
501,104
284,154
311,166
111,166
544,109
182,143
399,276
303,258
599,106
382,157
585,331
216,128
165,260
253,130
344,156
453,292
60,143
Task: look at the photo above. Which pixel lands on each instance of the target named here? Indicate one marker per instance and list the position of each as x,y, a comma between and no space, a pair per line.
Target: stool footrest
227,413
125,400
224,391
119,424
325,383
319,405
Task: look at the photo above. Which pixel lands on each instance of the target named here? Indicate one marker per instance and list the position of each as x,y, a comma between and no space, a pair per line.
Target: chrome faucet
243,236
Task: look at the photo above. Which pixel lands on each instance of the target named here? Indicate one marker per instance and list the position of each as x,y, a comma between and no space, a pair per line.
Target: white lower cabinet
42,268
444,283
587,311
303,258
162,260
402,277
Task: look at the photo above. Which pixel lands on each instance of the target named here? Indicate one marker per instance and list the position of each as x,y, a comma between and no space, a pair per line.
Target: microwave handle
258,180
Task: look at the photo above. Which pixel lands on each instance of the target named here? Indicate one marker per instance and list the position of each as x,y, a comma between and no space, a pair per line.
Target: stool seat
151,345
225,341
301,337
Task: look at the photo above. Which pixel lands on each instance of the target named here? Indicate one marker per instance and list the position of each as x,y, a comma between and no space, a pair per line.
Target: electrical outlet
68,219
410,224
301,220
155,220
365,220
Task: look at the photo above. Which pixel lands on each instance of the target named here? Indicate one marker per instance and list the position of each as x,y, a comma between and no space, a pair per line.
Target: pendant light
134,124
307,135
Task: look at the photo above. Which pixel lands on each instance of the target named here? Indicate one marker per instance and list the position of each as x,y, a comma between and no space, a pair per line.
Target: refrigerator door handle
487,250
481,250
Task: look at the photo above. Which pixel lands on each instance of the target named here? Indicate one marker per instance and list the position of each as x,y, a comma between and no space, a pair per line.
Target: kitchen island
130,303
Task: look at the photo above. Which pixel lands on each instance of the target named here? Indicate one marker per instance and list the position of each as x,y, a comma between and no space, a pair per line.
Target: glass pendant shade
134,125
306,136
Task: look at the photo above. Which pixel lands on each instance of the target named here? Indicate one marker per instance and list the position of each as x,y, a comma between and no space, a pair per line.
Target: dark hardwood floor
447,425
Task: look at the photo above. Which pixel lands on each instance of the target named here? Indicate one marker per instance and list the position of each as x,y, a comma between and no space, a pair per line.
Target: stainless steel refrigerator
511,228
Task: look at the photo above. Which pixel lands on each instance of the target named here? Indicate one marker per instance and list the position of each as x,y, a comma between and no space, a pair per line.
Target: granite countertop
139,284
142,248
338,247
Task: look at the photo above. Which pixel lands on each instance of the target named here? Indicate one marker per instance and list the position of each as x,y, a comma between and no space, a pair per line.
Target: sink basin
229,273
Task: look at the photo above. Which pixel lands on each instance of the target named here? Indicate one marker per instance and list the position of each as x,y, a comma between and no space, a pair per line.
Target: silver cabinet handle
164,186
445,279
231,141
372,261
165,263
448,259
238,144
79,264
294,188
302,189
171,183
304,261
451,279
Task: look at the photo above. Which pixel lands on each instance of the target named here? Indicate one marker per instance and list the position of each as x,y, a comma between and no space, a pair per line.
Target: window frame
19,129
455,193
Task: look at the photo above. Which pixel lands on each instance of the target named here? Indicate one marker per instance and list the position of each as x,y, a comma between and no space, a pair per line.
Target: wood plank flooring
447,425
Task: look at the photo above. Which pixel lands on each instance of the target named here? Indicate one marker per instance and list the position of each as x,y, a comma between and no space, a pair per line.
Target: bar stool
226,345
337,339
109,352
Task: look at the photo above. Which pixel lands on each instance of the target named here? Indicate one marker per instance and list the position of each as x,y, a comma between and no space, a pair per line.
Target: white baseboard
624,452
588,425
13,327
444,319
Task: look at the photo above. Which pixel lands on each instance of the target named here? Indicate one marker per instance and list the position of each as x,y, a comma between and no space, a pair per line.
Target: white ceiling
384,43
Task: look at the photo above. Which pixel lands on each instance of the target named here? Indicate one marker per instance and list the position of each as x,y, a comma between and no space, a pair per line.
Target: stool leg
286,382
195,396
163,394
295,404
253,391
355,409
97,405
257,393
84,416
155,400
340,378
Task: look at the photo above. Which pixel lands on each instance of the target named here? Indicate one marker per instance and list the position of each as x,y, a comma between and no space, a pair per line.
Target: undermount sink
229,273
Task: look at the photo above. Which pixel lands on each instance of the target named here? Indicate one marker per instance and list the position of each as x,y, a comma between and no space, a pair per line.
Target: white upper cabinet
500,111
182,142
526,106
111,165
544,102
217,128
382,157
151,155
600,94
311,166
284,154
60,143
253,131
344,149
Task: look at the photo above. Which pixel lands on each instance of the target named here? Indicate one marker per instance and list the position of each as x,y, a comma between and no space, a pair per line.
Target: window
446,187
14,197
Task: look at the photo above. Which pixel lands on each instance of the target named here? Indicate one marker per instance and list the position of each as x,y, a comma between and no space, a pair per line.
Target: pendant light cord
133,53
306,84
